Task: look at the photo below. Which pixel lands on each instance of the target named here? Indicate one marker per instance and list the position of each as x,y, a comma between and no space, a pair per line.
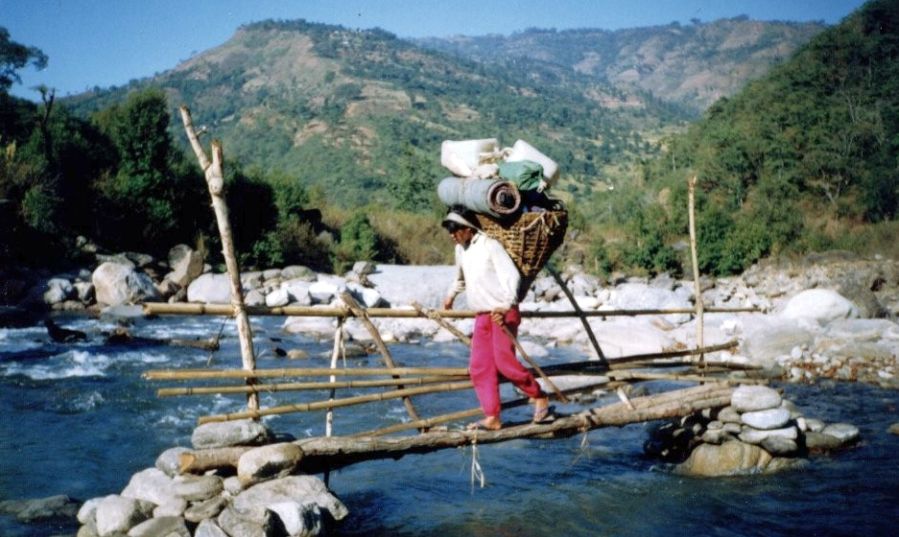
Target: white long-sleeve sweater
487,274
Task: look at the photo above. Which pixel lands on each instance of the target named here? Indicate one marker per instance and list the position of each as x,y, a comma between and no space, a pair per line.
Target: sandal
481,426
544,415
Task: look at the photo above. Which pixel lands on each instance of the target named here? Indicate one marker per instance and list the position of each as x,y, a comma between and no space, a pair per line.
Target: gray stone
298,292
197,488
894,429
151,485
733,428
88,511
756,436
298,272
210,289
167,526
752,398
844,432
768,338
816,441
730,458
778,445
186,264
168,461
209,528
174,507
206,509
88,530
234,524
714,436
277,298
58,290
299,519
116,514
370,298
229,433
324,291
116,283
772,418
268,462
253,502
729,415
814,425
822,305
59,506
233,486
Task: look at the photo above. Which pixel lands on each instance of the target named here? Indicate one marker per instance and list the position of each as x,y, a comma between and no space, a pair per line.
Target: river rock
173,507
58,290
321,327
60,506
234,524
88,511
117,515
298,291
817,441
753,398
299,519
728,415
277,298
727,459
151,485
195,488
370,298
210,289
117,283
205,510
186,265
772,418
425,284
779,445
169,460
642,296
822,305
209,528
167,526
230,433
766,338
756,436
268,462
253,503
894,428
326,289
844,432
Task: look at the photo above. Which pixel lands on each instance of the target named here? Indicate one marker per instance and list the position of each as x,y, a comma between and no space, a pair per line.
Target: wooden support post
215,180
691,189
359,313
580,313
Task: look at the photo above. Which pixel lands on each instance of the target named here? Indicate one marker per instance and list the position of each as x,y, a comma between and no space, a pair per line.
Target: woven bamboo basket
530,238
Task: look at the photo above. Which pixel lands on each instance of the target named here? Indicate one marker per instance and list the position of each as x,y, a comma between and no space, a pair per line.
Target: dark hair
451,226
465,213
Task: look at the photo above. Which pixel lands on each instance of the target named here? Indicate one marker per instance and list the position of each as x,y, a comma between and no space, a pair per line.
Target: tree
14,56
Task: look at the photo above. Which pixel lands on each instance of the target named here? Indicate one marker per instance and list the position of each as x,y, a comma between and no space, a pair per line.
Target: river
79,420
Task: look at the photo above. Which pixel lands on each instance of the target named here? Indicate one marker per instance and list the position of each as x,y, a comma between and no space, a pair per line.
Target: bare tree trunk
215,180
691,190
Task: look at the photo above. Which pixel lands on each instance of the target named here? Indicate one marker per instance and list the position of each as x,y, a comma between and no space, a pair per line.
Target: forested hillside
362,113
690,65
804,159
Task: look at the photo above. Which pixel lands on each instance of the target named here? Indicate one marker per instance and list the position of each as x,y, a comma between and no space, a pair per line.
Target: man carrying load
491,281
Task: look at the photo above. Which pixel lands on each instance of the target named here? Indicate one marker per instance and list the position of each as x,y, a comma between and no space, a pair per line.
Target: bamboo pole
184,308
359,313
580,314
335,353
190,374
301,386
617,363
337,403
215,181
438,318
691,189
533,364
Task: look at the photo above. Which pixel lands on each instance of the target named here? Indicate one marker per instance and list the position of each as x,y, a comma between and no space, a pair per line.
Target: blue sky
109,42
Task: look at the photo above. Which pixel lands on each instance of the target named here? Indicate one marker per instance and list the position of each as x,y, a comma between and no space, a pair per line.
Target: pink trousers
493,354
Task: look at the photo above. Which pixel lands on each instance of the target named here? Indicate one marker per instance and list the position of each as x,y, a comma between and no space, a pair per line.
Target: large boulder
730,459
151,485
185,263
117,283
116,515
822,305
230,433
210,289
268,462
425,284
253,503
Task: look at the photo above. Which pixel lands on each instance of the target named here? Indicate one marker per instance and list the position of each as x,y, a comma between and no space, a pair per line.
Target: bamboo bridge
397,382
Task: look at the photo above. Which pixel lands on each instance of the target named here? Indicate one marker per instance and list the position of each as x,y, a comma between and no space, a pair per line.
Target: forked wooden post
691,191
215,180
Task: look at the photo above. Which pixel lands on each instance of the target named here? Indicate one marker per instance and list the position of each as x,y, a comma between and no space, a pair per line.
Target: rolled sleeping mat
496,198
